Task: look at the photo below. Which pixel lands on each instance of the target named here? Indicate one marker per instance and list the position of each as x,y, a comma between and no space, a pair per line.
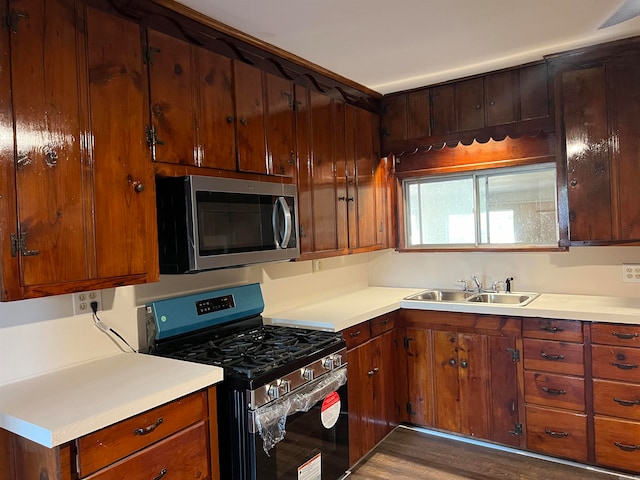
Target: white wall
42,335
584,270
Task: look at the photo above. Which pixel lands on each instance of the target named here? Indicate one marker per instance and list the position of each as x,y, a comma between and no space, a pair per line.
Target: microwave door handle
286,213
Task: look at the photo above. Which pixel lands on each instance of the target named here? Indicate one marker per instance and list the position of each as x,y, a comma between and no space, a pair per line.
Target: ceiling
390,46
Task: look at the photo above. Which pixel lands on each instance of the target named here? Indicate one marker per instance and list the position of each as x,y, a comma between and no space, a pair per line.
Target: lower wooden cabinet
176,440
561,433
617,443
373,410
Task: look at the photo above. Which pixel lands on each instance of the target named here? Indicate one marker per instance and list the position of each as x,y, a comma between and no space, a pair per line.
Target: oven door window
305,438
234,222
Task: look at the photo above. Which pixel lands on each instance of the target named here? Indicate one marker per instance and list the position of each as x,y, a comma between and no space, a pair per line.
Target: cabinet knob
243,120
138,187
478,106
573,183
229,119
464,364
452,362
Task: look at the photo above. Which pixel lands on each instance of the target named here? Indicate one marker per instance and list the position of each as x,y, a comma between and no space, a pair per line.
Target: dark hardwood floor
408,453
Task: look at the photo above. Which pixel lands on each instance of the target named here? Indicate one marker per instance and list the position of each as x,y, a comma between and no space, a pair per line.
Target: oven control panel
214,304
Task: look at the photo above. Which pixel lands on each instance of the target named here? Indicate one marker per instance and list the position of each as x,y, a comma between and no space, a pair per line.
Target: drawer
616,399
617,443
556,357
559,391
557,432
183,455
357,335
616,363
382,324
616,334
102,448
551,329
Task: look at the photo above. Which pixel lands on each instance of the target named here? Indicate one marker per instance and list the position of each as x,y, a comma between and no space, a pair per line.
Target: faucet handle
495,286
465,285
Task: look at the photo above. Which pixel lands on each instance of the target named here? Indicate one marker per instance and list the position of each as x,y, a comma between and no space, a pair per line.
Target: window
506,207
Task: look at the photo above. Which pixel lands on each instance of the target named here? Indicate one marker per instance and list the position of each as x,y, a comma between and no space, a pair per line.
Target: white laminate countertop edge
350,309
65,404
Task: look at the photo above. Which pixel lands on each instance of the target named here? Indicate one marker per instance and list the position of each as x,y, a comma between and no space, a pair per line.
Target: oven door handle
281,205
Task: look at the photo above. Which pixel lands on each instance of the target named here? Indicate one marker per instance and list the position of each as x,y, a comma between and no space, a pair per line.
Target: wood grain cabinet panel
470,104
617,443
616,334
616,363
442,105
559,433
279,120
551,356
534,91
501,94
357,335
99,449
552,329
183,455
616,399
560,391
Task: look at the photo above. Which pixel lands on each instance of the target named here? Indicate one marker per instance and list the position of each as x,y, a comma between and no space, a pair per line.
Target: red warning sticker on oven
330,411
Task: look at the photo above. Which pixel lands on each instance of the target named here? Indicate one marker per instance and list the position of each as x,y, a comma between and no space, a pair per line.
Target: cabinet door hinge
410,409
19,245
13,18
406,342
515,354
517,429
148,55
152,137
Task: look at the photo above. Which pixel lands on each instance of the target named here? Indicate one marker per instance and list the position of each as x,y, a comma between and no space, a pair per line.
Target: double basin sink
462,296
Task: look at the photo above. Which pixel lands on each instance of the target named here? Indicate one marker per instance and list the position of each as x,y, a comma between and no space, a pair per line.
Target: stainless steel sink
517,299
461,296
441,295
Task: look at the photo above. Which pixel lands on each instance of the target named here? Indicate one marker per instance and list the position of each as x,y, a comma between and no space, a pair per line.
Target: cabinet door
469,104
446,381
500,100
52,180
304,178
216,120
361,428
394,118
443,109
279,128
421,366
124,193
252,154
534,92
173,99
342,174
324,180
418,114
474,394
587,150
384,405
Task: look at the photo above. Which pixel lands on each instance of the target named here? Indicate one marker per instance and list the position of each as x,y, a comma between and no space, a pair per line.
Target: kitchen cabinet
172,440
191,104
344,187
507,102
280,123
600,139
84,209
554,385
462,373
373,410
616,395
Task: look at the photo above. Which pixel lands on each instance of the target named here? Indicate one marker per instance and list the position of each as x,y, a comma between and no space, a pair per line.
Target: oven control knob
307,374
284,386
273,391
332,361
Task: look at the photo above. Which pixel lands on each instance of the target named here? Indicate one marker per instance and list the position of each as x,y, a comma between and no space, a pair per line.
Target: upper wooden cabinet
597,111
495,104
84,193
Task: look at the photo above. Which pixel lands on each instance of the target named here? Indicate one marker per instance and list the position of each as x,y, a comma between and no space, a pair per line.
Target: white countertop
60,406
350,309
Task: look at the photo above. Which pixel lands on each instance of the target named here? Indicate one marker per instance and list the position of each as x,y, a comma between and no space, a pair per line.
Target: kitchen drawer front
551,329
556,357
557,432
616,399
182,456
616,363
617,443
559,391
357,335
382,324
101,448
616,334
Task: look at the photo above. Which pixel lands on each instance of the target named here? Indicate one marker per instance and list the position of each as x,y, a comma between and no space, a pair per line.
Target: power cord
106,328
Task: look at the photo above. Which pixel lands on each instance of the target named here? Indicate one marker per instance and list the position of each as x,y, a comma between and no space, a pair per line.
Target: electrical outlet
631,272
82,301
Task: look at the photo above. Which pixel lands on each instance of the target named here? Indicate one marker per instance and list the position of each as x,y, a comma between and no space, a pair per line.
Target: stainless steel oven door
314,443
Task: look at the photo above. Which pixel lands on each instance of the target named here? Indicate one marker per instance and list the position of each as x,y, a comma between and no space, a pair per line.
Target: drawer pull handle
163,472
627,448
551,357
624,366
355,334
149,429
626,403
551,433
553,391
624,336
548,328
371,373
385,321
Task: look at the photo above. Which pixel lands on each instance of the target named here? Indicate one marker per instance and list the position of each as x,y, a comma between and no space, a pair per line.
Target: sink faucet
508,284
465,285
477,282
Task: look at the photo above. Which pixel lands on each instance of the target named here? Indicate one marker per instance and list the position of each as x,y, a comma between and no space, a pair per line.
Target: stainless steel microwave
206,223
